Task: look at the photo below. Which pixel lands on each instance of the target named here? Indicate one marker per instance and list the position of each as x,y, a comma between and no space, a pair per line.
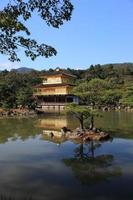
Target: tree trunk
92,122
81,122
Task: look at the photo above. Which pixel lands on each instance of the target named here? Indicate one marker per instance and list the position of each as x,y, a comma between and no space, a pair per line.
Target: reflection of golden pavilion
55,90
53,123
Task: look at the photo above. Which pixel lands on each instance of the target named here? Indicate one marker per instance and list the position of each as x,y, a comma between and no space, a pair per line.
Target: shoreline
24,113
17,113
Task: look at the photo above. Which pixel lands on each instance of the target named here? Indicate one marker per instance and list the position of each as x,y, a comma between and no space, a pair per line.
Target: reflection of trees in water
4,197
89,168
15,128
83,152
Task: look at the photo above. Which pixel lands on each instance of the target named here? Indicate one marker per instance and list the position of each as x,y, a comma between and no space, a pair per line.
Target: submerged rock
96,136
85,135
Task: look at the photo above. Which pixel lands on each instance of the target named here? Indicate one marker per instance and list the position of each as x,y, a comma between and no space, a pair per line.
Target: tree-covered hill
100,85
108,85
103,70
23,70
121,65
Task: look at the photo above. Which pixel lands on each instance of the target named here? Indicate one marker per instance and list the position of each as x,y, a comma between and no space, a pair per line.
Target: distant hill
120,65
23,70
79,71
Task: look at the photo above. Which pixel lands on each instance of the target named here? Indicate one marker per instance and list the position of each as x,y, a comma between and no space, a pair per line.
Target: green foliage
106,86
111,97
82,113
91,91
24,97
127,97
16,89
15,34
78,110
97,86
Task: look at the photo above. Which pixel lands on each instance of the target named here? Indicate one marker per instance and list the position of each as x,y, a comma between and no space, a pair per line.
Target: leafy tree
127,96
16,89
91,92
111,97
7,98
15,34
79,73
24,97
82,113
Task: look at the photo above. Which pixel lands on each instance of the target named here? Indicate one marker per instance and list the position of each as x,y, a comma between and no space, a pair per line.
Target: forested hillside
108,85
99,85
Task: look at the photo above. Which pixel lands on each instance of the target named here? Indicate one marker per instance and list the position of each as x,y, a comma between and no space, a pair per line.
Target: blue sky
100,31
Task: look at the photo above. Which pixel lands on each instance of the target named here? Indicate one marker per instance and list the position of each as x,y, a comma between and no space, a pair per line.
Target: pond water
36,167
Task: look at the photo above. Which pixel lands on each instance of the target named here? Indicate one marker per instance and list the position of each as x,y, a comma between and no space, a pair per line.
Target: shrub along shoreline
17,113
25,112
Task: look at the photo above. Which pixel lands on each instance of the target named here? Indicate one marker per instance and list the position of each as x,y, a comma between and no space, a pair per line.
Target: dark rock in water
78,131
65,129
51,134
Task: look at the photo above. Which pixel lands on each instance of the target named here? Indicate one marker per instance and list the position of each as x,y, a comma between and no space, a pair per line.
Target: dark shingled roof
52,85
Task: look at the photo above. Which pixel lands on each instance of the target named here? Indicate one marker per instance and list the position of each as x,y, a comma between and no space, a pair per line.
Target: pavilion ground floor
55,102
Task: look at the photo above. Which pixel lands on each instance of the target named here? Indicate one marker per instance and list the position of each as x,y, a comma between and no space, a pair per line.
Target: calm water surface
32,165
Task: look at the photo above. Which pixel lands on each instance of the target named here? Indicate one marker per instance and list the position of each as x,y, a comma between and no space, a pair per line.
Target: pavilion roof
52,85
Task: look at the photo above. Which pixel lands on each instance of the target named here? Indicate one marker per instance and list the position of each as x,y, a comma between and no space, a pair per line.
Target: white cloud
9,65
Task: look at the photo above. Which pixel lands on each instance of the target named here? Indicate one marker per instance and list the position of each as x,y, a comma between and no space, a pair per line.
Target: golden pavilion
55,90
